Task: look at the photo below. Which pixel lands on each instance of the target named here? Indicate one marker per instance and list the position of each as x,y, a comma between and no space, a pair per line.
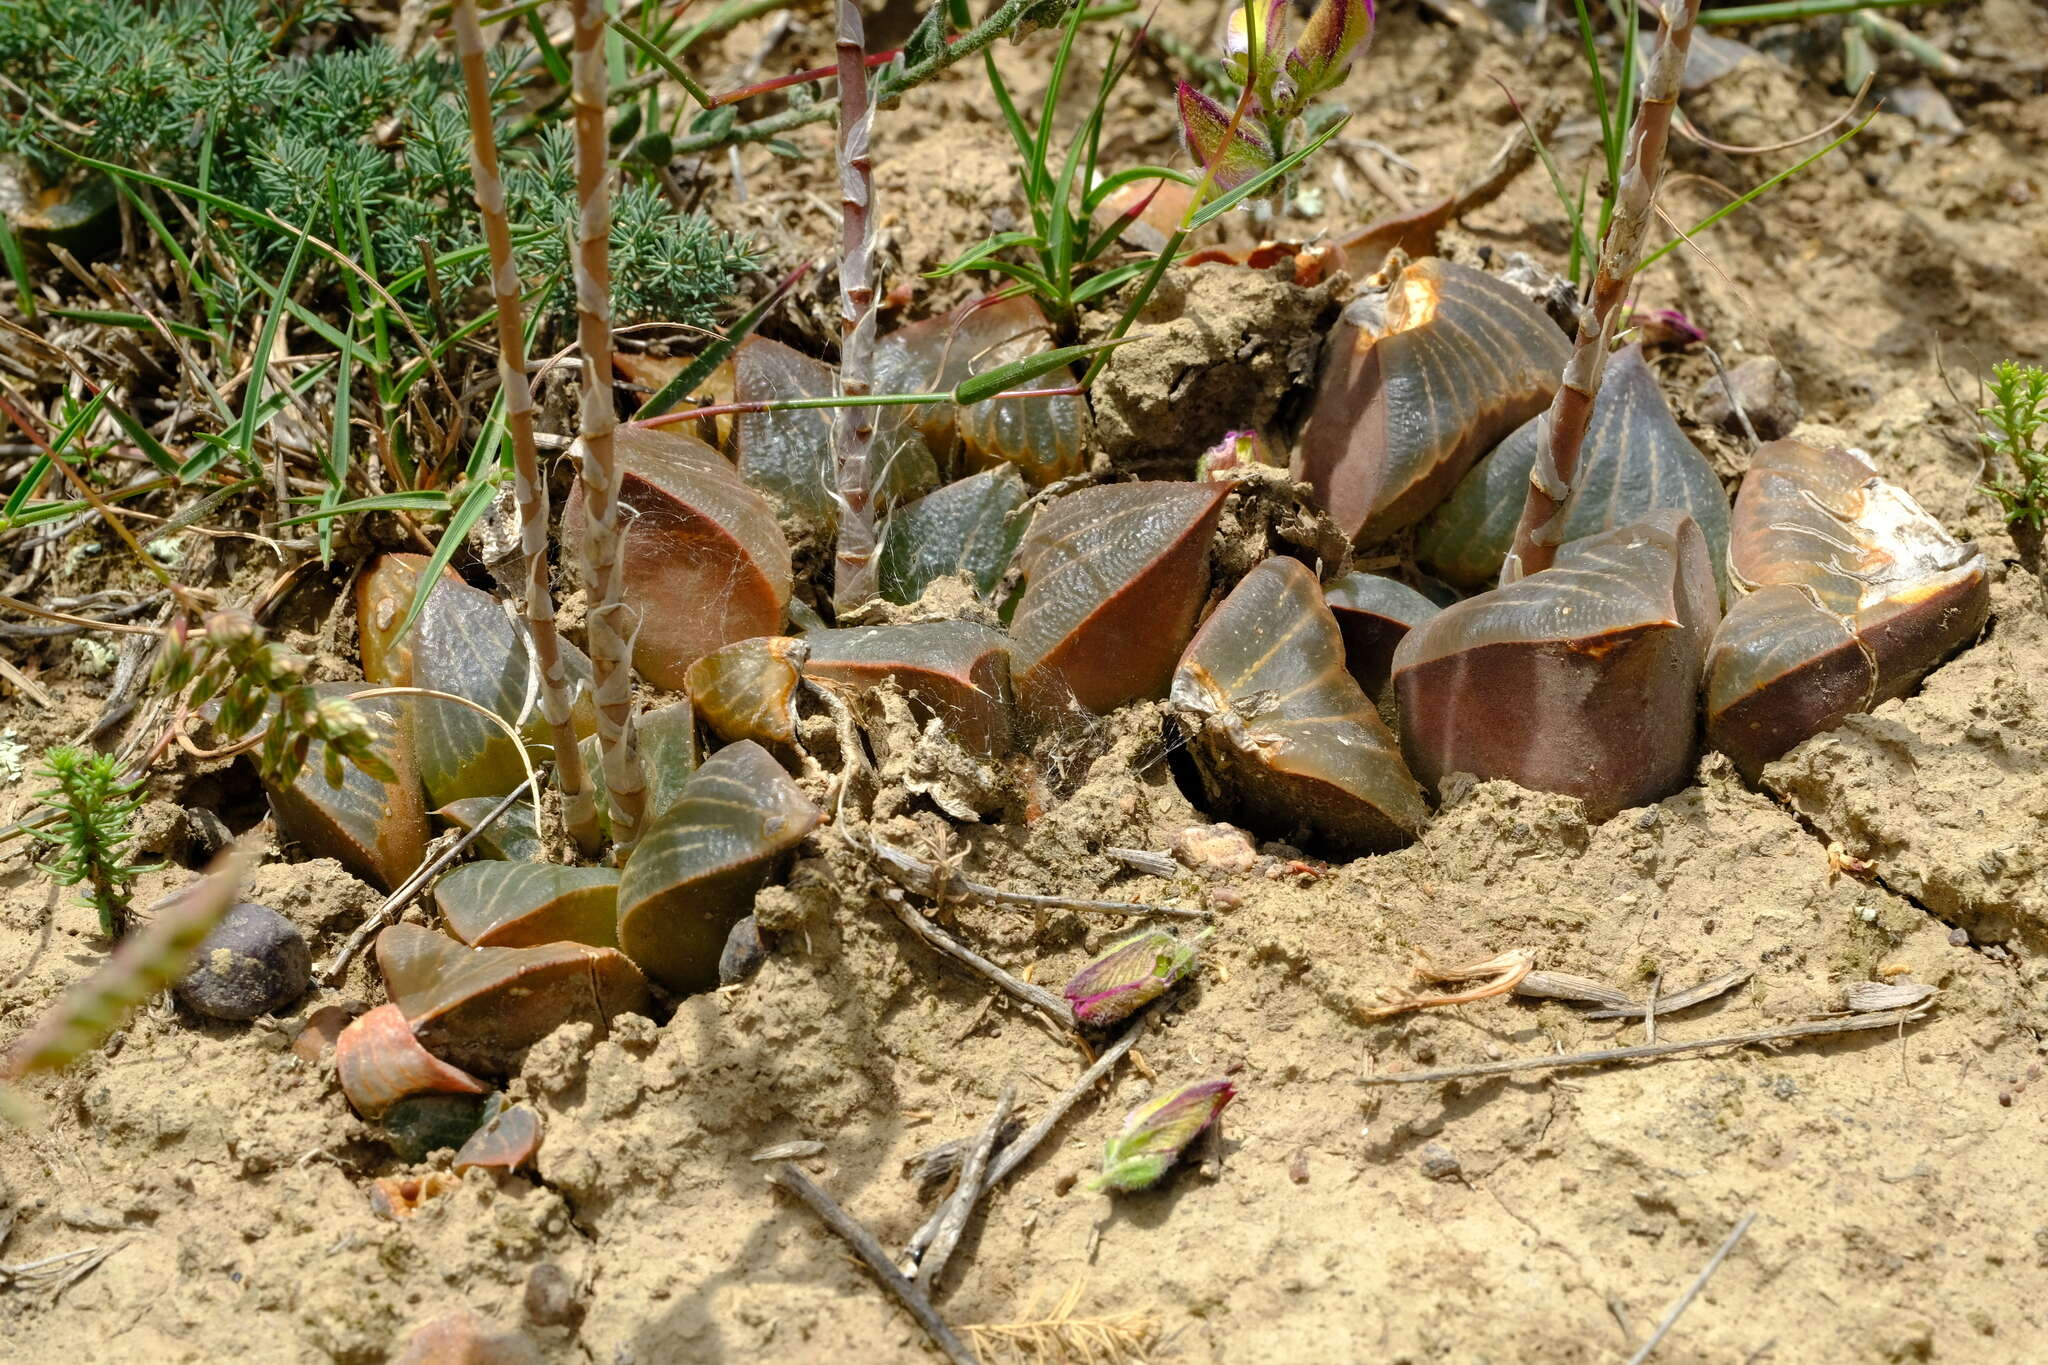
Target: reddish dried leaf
1418,382
508,1140
1582,679
1285,739
381,1062
1113,578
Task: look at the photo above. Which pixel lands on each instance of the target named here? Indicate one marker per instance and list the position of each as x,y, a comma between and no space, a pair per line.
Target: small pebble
254,962
1767,395
744,953
1440,1162
551,1296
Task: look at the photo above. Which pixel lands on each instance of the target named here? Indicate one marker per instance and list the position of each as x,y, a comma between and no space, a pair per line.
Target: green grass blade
467,514
653,53
17,266
259,362
1223,204
698,370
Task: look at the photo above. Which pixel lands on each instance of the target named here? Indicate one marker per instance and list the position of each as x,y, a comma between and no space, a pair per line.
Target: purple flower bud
1235,451
1156,1133
1337,33
1132,973
1231,157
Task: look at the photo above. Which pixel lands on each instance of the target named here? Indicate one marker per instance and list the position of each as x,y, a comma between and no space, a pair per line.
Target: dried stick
529,489
853,429
916,875
331,971
1038,997
876,1260
1812,1028
1014,1154
1700,1283
611,654
1564,427
959,1207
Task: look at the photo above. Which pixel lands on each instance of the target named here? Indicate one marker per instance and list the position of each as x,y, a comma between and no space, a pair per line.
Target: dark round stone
254,962
744,953
551,1299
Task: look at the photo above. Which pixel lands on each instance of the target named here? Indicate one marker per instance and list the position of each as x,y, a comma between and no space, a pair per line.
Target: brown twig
611,651
853,429
529,489
959,1207
1014,1154
1810,1029
937,883
1497,976
1563,431
1693,1291
1038,997
876,1260
331,971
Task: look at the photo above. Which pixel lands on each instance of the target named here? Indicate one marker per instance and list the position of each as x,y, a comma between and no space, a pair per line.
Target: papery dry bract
668,753
381,1062
522,905
705,562
972,526
1420,379
1155,1134
956,671
694,873
1113,578
377,830
1634,459
1284,737
747,690
1583,679
482,1007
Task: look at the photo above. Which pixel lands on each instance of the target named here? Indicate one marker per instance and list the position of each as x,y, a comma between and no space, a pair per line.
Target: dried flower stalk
853,429
1550,482
610,644
529,489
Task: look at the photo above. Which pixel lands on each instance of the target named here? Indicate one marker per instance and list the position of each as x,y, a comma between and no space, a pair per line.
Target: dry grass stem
1060,1337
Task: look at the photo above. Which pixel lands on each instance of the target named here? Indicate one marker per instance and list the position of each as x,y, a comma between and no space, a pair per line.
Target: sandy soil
1543,1217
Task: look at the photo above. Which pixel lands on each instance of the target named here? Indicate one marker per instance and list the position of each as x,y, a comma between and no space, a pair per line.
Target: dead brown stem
853,429
529,489
610,640
1541,529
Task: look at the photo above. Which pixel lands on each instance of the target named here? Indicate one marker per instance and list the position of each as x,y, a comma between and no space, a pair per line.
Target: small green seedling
2016,427
93,805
